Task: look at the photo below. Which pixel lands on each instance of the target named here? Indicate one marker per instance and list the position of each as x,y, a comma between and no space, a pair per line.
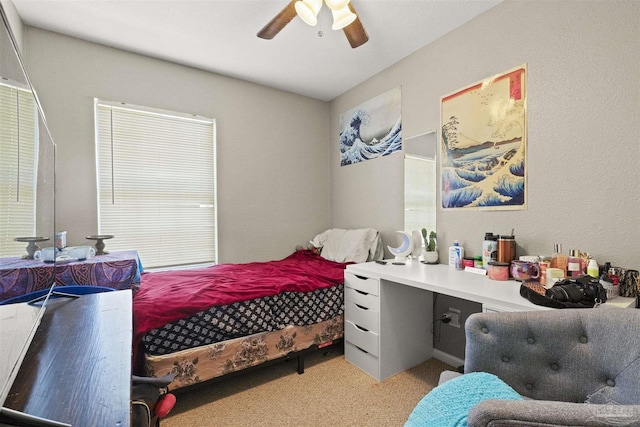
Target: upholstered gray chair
575,367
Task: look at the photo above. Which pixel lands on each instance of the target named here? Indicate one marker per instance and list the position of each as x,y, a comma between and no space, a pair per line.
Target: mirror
420,182
27,193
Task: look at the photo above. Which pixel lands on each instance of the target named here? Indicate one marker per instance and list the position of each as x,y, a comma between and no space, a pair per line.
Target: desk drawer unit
362,322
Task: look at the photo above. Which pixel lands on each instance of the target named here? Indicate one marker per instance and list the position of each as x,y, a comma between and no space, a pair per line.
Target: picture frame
484,144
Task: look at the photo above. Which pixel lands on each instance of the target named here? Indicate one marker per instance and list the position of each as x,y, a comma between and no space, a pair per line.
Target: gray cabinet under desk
78,367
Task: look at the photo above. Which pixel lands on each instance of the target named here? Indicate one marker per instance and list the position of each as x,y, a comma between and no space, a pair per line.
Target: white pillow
356,245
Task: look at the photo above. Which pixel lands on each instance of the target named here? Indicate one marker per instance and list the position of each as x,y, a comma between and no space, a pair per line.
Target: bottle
456,253
543,264
592,269
489,249
559,260
574,263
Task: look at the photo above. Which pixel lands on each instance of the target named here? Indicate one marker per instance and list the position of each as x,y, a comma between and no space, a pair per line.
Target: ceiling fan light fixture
308,10
336,4
342,18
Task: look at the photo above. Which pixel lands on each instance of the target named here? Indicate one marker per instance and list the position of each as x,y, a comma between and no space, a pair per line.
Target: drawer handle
361,307
361,292
361,277
361,328
361,349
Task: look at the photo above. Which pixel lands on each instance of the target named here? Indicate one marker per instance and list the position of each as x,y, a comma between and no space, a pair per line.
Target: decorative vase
430,257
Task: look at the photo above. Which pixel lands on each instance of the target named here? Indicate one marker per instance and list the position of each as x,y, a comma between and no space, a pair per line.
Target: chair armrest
447,375
506,413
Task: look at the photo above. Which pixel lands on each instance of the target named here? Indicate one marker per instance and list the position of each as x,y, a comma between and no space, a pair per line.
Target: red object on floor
165,405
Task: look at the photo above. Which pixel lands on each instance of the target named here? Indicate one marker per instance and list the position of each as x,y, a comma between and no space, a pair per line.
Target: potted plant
430,251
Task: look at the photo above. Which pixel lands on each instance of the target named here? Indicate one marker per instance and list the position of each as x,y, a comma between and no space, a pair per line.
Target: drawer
363,360
364,284
363,299
368,318
365,339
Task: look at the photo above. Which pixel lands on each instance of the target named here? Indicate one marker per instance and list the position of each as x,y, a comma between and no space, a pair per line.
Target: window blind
156,184
18,164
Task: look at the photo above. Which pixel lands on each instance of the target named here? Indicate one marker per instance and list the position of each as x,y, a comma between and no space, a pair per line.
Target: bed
204,323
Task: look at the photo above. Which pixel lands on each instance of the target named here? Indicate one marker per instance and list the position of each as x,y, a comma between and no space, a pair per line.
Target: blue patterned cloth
448,404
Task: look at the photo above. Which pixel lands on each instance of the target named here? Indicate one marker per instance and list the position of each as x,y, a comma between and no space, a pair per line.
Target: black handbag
578,292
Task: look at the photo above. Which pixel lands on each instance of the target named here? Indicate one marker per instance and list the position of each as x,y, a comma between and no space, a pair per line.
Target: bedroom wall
583,135
583,113
273,181
15,22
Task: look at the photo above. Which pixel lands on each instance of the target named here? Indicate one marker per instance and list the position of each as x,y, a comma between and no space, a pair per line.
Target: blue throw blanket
448,404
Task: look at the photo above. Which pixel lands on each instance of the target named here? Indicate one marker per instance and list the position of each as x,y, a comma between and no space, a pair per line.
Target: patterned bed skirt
203,363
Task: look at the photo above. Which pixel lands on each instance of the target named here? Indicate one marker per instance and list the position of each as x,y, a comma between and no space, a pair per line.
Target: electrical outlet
454,315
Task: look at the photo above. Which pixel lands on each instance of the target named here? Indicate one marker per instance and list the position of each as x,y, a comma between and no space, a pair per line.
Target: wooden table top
78,367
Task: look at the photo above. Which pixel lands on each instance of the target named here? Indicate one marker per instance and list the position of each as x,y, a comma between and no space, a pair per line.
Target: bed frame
222,359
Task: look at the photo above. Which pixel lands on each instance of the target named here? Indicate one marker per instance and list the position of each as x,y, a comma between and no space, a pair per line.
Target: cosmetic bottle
456,253
559,260
543,264
574,263
592,269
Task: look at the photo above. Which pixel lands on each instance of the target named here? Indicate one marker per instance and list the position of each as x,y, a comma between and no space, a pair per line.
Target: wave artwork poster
484,139
372,129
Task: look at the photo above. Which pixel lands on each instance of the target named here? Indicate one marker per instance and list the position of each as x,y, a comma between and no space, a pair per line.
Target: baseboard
447,358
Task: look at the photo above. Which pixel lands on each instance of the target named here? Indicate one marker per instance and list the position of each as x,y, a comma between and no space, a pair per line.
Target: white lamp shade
308,10
342,18
336,4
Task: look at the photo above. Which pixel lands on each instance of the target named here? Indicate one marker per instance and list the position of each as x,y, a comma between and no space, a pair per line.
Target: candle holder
32,247
100,238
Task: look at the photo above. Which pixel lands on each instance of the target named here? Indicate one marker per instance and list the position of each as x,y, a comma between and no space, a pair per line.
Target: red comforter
171,295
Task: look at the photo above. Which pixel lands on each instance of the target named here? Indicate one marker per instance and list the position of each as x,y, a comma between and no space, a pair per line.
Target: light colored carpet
330,392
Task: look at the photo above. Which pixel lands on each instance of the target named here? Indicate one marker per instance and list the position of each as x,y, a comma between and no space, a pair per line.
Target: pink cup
523,270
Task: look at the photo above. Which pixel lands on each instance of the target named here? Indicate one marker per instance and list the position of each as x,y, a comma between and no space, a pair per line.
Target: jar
498,270
468,262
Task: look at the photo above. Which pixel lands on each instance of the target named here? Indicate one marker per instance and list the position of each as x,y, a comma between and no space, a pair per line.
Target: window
156,184
18,167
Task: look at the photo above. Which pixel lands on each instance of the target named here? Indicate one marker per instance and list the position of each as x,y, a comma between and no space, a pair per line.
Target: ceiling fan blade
355,32
278,22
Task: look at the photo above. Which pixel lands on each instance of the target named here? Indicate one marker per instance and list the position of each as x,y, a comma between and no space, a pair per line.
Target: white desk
388,314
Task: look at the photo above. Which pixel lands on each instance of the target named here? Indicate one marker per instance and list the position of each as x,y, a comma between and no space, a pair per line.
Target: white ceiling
220,36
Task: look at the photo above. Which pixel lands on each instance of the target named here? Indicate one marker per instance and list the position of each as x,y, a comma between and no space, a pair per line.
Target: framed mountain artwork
484,144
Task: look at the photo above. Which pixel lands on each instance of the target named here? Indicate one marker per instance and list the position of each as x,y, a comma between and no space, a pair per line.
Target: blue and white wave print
489,180
354,150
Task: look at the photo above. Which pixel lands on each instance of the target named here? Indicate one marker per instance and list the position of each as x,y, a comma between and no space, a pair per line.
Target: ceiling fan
344,17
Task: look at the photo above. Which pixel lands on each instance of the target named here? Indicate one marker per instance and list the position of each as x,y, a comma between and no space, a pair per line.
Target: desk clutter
557,280
538,274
